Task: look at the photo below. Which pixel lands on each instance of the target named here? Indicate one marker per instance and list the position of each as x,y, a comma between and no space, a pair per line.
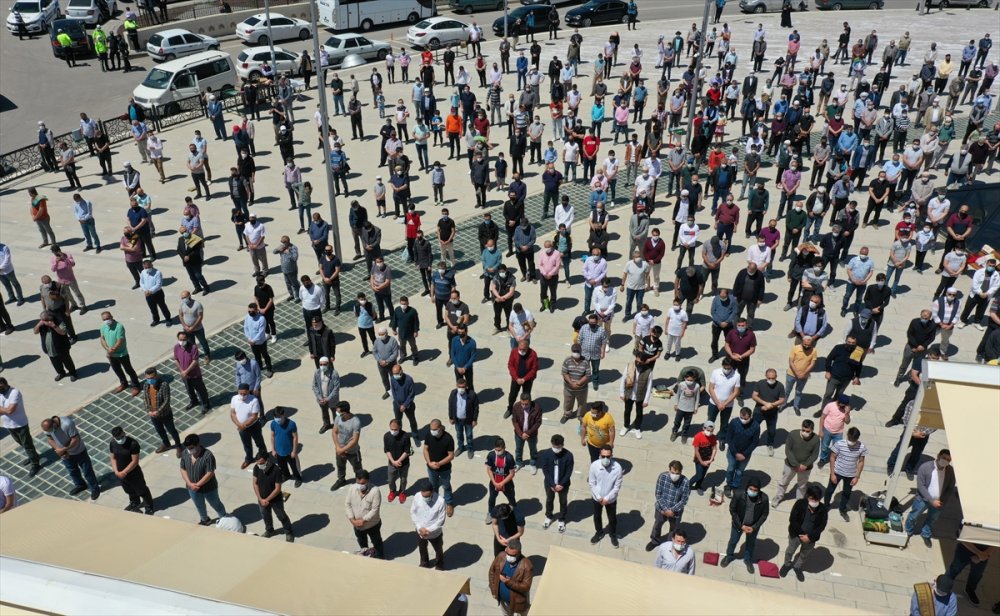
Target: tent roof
642,589
227,567
967,397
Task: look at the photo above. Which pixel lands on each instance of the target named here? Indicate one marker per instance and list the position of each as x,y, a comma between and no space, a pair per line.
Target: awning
968,397
191,560
625,588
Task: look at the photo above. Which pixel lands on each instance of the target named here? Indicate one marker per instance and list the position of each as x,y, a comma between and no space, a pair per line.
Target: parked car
37,15
541,12
76,31
91,12
598,12
253,29
836,5
943,4
438,31
249,61
170,82
760,6
548,2
339,45
468,6
177,42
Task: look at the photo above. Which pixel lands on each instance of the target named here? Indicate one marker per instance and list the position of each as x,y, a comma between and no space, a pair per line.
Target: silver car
177,42
340,45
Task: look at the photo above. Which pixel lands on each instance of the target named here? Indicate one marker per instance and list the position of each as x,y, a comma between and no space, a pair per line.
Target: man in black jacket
843,368
748,510
322,342
488,230
557,471
919,335
513,212
463,413
877,297
405,325
805,525
748,289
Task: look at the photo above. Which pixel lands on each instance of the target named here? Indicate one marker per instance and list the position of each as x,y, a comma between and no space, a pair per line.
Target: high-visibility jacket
64,39
100,41
130,24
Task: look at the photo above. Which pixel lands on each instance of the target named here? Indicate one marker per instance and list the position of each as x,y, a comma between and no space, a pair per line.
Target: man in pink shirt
549,259
62,265
836,416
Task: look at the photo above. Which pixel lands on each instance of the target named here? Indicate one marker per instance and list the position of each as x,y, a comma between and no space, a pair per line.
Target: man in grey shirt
198,472
66,443
635,279
326,388
386,353
346,435
192,314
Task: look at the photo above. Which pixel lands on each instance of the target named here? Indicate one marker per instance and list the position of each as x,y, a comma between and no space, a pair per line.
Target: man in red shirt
591,145
705,447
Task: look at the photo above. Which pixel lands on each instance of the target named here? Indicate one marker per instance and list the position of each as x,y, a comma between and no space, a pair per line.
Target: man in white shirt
760,253
14,419
610,167
644,183
245,413
428,516
603,303
687,237
605,480
256,234
8,496
676,326
676,555
312,297
723,389
564,214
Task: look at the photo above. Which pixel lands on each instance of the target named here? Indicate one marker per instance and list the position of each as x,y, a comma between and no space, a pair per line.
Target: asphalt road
37,86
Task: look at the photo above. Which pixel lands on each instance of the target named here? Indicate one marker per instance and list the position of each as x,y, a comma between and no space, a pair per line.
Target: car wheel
873,5
944,4
213,47
304,34
171,109
254,75
760,8
262,40
367,25
984,4
837,6
434,43
382,53
468,9
168,57
625,19
587,22
412,18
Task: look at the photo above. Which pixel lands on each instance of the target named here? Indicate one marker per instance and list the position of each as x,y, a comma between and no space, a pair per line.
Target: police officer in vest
66,42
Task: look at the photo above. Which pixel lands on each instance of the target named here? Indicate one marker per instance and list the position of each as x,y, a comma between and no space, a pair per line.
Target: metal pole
270,36
911,423
696,86
321,92
505,15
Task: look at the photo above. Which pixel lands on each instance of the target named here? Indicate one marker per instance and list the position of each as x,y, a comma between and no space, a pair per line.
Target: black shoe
927,541
725,561
652,545
798,574
298,483
847,518
336,486
385,396
749,567
95,494
784,570
325,428
267,534
132,507
891,423
77,489
289,537
728,492
971,595
597,537
34,470
205,522
614,541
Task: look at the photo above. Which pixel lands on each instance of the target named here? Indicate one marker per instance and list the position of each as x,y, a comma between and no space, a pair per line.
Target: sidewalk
843,567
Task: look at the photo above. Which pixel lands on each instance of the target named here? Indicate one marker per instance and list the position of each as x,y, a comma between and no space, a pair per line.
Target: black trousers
289,466
261,355
515,390
716,332
63,364
253,434
156,301
275,508
375,535
22,436
550,497
163,426
197,392
122,367
612,517
505,307
134,485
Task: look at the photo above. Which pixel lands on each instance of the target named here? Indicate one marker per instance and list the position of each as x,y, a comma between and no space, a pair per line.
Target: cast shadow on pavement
461,555
469,493
310,523
629,523
171,498
538,564
399,545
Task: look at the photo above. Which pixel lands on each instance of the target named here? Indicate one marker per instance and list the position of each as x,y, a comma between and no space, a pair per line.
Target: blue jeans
441,479
79,468
891,271
858,290
630,295
699,476
723,423
338,104
815,224
845,493
90,233
799,385
463,433
827,442
963,559
919,505
588,293
734,537
734,469
720,193
199,499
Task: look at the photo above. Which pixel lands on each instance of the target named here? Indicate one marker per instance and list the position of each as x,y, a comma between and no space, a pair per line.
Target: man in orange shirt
453,127
40,214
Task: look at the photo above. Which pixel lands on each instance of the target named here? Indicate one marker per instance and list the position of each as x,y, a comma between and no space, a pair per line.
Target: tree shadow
352,379
310,523
766,549
529,506
819,561
469,493
620,341
547,404
653,421
695,532
490,395
579,510
461,555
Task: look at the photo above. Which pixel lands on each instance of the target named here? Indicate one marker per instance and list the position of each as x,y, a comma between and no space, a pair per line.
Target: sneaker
847,518
770,451
614,541
273,339
488,519
775,502
673,436
547,523
725,561
728,492
962,325
597,537
623,431
289,537
298,483
637,434
798,574
562,526
927,542
34,470
449,510
392,496
472,455
402,498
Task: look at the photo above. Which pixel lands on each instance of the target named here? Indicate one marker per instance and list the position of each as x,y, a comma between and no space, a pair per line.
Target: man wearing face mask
428,516
984,287
811,319
526,418
405,324
266,485
439,451
197,468
255,331
326,389
363,505
743,437
510,578
245,413
847,461
156,402
748,510
14,419
769,398
285,445
557,472
463,413
675,555
125,465
65,441
801,452
741,343
191,315
593,341
605,480
346,442
502,289
919,336
935,486
806,524
549,260
508,525
322,341
576,373
116,348
522,364
671,496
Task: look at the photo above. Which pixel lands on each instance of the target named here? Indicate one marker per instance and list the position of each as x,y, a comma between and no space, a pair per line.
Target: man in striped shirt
847,460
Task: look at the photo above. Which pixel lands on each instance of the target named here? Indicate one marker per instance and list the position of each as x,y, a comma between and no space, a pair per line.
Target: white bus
364,15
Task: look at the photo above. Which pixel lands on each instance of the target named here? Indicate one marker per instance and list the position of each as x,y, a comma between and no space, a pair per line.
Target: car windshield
158,79
251,21
520,12
423,25
242,57
155,40
80,3
333,42
26,7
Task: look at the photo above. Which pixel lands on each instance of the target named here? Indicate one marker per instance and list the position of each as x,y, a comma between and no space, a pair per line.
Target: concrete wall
224,24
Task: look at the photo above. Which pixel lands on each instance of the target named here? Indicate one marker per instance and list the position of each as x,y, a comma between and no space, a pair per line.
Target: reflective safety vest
130,24
100,41
64,40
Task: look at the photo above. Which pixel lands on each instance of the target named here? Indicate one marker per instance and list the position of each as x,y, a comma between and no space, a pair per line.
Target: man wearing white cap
946,309
706,445
130,178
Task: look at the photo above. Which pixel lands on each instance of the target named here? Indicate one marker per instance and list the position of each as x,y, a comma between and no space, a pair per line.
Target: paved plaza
843,569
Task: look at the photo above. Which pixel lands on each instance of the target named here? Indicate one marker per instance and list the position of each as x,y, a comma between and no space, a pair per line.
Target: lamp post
270,35
324,135
696,85
505,16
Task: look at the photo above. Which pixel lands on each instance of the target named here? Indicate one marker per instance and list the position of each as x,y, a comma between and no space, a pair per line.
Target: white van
186,77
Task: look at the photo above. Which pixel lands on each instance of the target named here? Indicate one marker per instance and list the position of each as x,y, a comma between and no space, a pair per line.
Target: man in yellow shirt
66,42
801,360
944,70
597,430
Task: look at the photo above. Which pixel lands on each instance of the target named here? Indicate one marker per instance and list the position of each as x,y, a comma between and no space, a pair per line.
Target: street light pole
696,85
505,16
270,36
324,135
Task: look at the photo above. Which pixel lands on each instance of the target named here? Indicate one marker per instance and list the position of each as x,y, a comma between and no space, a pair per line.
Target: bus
364,15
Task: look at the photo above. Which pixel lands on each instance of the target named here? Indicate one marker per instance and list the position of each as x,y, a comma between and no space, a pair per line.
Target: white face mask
707,431
120,441
675,476
606,462
244,362
394,432
644,313
436,433
680,548
557,450
813,503
745,422
852,443
772,381
262,466
511,559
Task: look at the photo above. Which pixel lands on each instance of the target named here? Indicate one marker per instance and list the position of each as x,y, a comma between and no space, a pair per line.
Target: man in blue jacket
463,355
557,471
403,391
743,436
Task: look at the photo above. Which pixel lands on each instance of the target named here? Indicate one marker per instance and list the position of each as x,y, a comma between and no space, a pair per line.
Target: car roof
263,16
253,50
173,32
439,18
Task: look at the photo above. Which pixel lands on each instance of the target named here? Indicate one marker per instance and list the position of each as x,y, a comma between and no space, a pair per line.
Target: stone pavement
843,568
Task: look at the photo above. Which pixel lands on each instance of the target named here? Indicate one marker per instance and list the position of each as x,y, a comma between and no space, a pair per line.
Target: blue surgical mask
752,493
151,381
